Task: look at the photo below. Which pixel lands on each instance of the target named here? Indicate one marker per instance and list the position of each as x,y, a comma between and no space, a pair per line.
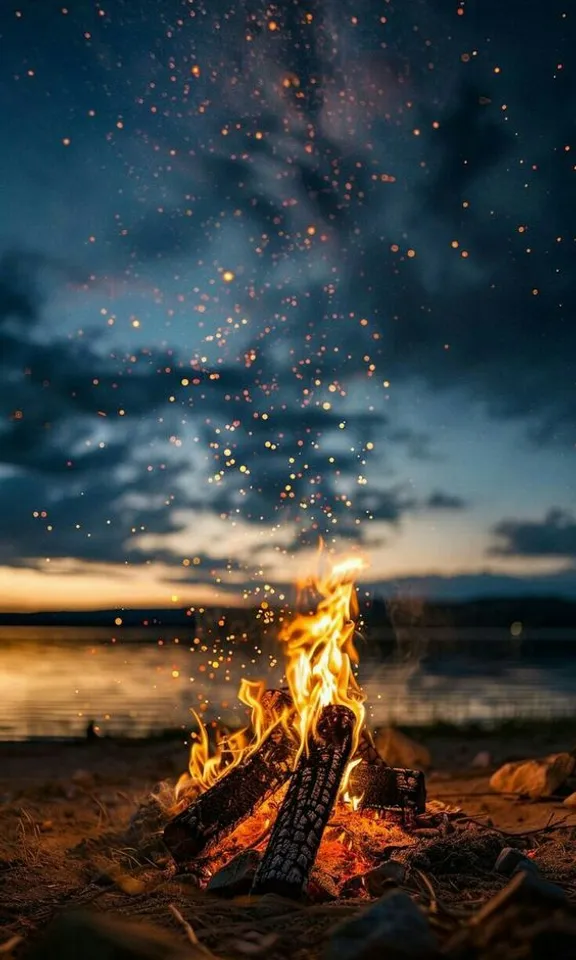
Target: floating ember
305,769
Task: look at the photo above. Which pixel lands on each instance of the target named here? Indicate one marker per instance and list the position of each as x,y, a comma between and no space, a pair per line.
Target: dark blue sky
275,272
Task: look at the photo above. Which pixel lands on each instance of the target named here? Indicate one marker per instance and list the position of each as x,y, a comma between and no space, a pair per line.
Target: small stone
482,760
528,918
392,927
526,866
235,878
533,886
109,799
378,880
534,778
85,936
508,860
399,750
321,887
526,886
83,779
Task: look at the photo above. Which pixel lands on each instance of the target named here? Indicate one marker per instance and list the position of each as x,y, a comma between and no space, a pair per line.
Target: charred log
366,750
307,807
388,788
215,813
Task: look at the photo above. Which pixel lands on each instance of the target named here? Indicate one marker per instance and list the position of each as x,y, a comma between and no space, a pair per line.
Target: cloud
88,471
439,500
554,536
315,171
73,484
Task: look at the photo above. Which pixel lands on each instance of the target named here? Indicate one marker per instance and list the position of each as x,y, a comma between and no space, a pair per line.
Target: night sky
276,272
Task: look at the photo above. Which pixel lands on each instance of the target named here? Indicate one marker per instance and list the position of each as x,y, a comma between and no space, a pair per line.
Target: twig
429,888
104,816
548,828
10,944
189,930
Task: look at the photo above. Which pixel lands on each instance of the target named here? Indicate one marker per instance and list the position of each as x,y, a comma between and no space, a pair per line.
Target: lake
53,681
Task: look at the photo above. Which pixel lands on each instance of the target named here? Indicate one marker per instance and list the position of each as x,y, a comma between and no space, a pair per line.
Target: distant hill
532,612
169,617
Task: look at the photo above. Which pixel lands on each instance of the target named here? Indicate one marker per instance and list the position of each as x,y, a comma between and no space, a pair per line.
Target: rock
534,778
570,801
393,927
86,936
526,886
235,878
482,760
529,918
399,750
83,779
527,866
509,859
534,887
321,887
380,879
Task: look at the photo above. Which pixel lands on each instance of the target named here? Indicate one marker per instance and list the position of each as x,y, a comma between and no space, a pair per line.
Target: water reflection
52,682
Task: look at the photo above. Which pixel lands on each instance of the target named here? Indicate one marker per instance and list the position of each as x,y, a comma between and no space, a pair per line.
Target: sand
65,810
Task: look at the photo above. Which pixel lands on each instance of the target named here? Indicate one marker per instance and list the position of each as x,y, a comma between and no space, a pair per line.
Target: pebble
509,859
392,926
381,877
321,887
83,778
534,778
534,886
78,934
235,878
482,760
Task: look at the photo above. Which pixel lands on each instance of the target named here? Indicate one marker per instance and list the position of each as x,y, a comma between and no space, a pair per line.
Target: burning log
388,788
215,813
307,806
366,750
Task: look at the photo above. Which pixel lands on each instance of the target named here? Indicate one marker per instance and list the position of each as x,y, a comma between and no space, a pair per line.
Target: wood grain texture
307,807
388,788
215,813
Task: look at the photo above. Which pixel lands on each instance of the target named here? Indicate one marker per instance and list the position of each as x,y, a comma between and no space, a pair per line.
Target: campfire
303,787
298,806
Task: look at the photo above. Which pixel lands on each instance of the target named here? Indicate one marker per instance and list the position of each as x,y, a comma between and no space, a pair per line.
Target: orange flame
320,652
204,767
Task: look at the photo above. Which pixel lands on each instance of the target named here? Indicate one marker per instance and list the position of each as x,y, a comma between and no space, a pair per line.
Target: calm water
53,681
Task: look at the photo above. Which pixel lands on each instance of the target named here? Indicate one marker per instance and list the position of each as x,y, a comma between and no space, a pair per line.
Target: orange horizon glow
421,549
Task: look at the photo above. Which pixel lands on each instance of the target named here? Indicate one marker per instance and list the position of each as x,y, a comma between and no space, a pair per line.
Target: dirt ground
66,840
